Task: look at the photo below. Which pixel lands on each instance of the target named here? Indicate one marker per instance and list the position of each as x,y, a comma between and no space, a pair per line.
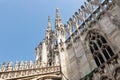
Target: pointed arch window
99,48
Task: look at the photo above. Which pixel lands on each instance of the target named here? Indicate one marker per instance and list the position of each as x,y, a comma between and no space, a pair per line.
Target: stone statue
22,65
88,7
16,65
81,15
4,66
30,64
10,66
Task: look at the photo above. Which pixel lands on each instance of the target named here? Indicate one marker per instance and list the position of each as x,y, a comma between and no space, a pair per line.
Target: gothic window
99,48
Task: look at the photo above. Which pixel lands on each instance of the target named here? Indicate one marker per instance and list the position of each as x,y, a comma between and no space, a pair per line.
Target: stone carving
115,20
116,2
88,8
81,15
4,67
10,66
117,74
95,2
16,65
30,64
29,72
21,65
105,78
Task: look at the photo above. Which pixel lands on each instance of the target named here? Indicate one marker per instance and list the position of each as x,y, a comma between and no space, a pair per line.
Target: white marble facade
87,47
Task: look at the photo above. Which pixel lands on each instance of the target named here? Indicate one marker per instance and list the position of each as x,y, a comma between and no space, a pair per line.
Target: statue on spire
49,29
49,24
57,14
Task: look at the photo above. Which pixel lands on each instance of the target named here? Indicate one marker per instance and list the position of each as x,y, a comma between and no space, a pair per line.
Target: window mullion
107,52
99,49
98,59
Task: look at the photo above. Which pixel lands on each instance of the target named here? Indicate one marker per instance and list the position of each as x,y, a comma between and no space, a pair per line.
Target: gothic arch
99,46
53,76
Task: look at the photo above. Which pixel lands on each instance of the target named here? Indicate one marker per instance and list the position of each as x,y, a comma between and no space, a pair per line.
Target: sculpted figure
30,64
81,15
69,27
95,2
88,7
10,66
16,65
21,65
4,67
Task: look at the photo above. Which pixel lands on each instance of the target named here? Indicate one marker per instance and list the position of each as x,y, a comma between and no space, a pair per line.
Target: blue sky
23,24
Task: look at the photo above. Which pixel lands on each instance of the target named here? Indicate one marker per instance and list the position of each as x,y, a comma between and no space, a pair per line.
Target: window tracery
99,48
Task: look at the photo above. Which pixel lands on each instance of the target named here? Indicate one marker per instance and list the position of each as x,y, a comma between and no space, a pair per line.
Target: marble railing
86,16
22,66
29,72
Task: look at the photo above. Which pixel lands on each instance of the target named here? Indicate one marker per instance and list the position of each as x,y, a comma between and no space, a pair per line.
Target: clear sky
23,24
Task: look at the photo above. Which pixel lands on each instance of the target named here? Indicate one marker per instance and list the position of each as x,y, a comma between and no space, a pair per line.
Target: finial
49,25
48,18
57,13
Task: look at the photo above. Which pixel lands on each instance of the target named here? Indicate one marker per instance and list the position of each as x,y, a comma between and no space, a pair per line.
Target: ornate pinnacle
58,19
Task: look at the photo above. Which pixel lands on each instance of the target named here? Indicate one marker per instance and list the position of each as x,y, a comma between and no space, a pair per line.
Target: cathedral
87,47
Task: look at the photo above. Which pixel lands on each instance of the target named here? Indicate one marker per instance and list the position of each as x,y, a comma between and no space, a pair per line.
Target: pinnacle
58,19
57,14
49,24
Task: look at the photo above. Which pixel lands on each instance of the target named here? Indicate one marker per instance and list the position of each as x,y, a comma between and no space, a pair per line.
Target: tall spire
58,19
49,24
